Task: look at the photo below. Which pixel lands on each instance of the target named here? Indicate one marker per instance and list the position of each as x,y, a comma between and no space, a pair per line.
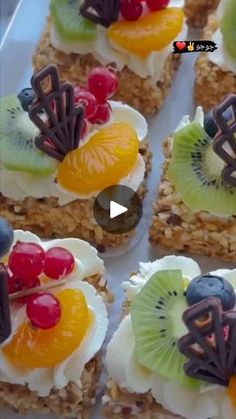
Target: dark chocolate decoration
211,343
5,317
59,120
101,12
224,143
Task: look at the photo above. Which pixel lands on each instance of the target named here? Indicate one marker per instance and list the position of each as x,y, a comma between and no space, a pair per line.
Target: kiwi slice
195,170
17,148
228,27
70,24
157,322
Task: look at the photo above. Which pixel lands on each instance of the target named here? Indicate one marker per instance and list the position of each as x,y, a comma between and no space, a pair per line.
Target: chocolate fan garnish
5,317
224,143
101,12
60,128
208,361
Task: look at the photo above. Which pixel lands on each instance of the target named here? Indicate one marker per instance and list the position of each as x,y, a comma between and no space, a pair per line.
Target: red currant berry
27,298
26,261
131,9
88,100
59,262
103,83
44,310
14,284
157,4
102,115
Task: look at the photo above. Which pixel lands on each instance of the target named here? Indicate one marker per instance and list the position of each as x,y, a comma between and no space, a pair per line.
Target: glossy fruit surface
14,284
103,83
39,348
26,97
59,262
88,100
151,32
131,9
103,114
26,261
154,5
105,159
44,310
211,286
6,237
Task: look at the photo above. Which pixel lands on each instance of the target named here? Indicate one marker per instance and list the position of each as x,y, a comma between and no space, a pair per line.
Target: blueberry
6,236
211,286
210,125
26,97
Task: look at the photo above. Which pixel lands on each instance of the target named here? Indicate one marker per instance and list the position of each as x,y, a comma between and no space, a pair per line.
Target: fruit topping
70,24
131,9
26,97
156,315
228,27
210,125
195,170
14,284
157,4
88,100
17,141
152,32
103,114
103,83
45,348
59,262
26,262
103,161
43,310
101,12
6,237
211,286
232,390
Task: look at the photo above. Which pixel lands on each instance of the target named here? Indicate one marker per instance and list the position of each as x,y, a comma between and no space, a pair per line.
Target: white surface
116,209
18,47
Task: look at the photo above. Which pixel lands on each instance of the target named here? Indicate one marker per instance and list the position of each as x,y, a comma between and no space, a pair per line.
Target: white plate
17,48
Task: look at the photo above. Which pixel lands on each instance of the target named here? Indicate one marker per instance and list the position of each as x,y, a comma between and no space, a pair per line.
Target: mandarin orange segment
103,161
152,32
38,348
232,391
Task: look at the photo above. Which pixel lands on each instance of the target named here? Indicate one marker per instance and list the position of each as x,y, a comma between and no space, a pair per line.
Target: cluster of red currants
27,262
102,85
133,9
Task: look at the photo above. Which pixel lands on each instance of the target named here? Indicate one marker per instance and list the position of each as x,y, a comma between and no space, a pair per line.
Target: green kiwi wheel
157,322
17,134
195,170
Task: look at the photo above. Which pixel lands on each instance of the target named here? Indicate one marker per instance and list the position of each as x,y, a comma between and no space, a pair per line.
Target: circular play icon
118,209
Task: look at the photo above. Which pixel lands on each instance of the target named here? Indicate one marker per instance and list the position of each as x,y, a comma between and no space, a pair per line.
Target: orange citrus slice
40,348
152,32
106,158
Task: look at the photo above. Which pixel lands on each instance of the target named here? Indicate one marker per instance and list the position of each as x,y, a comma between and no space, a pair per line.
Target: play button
118,209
